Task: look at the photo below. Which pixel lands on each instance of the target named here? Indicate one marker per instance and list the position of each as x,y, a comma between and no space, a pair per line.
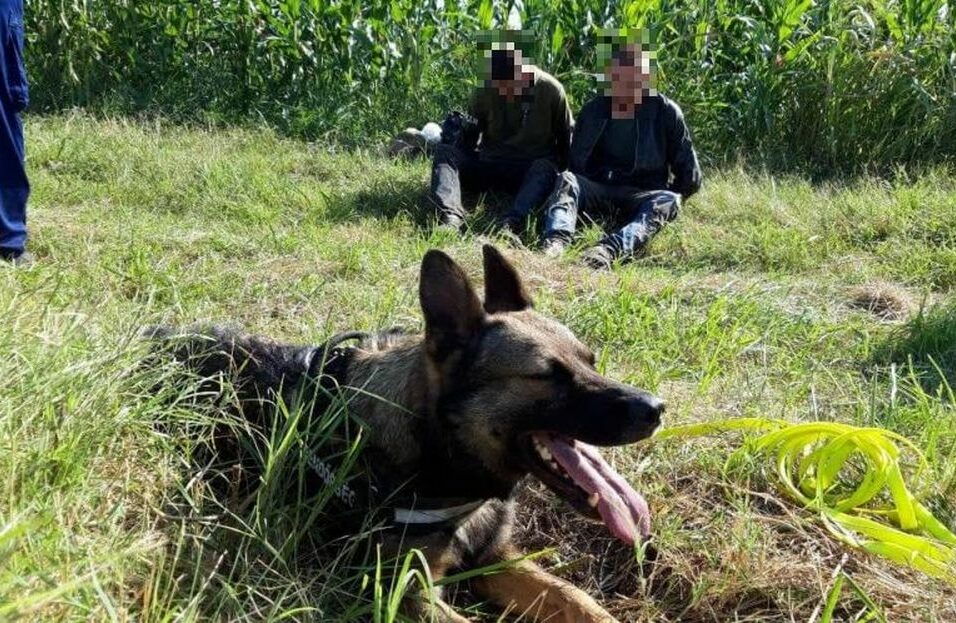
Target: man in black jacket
631,159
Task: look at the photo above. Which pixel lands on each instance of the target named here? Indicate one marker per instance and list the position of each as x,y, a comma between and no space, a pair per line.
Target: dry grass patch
885,300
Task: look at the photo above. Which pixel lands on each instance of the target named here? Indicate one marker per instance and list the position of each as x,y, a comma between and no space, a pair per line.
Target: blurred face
628,76
519,85
512,89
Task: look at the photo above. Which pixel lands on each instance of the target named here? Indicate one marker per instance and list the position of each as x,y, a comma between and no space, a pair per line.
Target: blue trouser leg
537,183
562,206
14,187
645,214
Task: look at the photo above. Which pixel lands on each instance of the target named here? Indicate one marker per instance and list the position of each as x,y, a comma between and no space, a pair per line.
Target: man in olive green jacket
524,125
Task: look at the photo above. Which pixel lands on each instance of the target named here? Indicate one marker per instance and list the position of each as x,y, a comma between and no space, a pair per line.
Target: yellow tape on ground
880,514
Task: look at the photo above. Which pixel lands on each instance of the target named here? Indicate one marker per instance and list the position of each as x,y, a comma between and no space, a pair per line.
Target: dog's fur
449,415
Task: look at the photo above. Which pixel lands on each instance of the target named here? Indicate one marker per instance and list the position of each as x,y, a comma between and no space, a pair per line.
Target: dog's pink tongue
624,510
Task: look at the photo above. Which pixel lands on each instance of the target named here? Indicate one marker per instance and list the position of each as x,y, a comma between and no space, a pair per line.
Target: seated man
524,124
631,160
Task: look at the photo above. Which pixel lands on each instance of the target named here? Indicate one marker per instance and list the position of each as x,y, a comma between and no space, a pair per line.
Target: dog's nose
649,408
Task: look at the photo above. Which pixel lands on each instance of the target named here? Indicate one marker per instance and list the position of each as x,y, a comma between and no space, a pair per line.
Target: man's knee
668,197
565,190
567,182
662,204
669,203
567,177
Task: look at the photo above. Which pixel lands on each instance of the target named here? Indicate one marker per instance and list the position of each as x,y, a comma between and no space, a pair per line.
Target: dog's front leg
421,603
420,606
530,591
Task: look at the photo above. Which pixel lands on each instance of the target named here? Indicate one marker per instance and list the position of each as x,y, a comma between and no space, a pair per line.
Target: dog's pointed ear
504,291
453,313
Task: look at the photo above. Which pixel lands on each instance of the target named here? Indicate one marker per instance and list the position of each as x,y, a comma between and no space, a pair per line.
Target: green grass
769,296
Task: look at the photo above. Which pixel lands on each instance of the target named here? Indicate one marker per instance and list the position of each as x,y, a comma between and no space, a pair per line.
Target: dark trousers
14,187
639,214
454,168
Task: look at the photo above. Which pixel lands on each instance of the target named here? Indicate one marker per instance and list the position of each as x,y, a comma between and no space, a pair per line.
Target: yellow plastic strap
811,462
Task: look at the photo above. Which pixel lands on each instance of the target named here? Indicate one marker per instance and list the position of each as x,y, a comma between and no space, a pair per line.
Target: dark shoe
509,230
451,222
598,257
18,259
554,247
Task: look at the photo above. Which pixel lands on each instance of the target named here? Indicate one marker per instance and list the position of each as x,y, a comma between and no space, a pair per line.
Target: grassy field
769,297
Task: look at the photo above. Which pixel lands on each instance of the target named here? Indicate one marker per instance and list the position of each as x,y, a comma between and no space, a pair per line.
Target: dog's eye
556,371
560,373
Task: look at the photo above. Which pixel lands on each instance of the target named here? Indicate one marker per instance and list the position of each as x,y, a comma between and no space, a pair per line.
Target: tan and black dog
451,421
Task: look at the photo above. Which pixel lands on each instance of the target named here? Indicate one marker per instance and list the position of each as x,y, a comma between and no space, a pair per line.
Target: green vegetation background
792,83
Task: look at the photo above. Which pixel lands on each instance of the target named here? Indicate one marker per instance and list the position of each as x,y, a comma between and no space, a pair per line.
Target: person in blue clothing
14,96
631,162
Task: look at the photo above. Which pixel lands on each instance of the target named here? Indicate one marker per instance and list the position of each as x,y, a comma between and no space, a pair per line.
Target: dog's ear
453,313
504,291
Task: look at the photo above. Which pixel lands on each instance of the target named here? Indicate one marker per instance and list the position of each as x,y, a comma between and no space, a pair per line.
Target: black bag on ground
460,130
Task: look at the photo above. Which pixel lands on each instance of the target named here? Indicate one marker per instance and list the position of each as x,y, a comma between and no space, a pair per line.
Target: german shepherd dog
452,421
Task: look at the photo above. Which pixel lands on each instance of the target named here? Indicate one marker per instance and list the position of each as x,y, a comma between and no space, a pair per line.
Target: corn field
831,84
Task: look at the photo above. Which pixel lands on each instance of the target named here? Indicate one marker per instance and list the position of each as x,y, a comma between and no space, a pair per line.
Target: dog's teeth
594,499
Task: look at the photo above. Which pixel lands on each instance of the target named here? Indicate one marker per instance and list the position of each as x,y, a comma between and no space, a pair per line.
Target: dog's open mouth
579,474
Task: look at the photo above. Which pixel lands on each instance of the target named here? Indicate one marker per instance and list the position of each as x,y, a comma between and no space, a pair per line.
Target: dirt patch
886,301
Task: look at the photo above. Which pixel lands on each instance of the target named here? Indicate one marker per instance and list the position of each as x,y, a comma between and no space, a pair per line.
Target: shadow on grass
391,197
928,344
384,200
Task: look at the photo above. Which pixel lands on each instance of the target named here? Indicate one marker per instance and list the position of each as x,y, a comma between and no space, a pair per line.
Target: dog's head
516,392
